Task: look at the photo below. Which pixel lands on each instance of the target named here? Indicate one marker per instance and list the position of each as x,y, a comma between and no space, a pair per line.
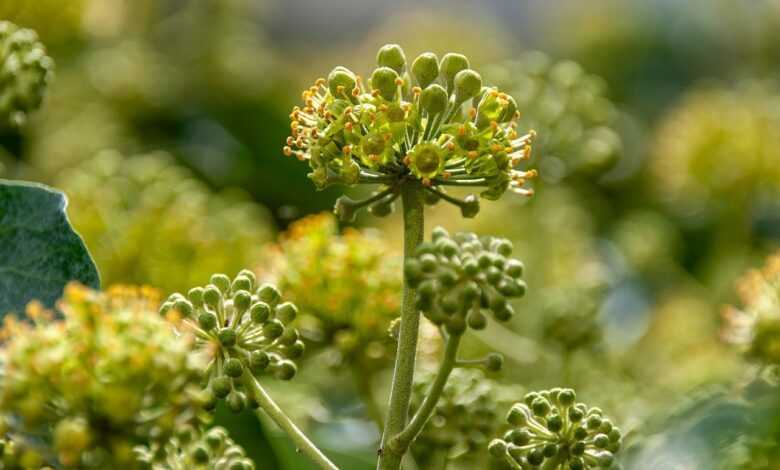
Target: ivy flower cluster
461,278
430,121
193,449
156,223
25,71
109,376
466,417
755,326
346,286
243,330
550,430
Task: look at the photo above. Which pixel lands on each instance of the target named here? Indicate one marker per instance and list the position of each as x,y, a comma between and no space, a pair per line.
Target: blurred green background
659,159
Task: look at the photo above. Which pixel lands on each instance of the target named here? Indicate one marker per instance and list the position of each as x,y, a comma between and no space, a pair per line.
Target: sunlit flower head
430,121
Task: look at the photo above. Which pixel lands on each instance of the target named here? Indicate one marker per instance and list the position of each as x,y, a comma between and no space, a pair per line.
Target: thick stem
405,438
302,443
403,372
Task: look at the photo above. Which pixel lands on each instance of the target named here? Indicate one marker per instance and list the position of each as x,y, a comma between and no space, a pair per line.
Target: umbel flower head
551,431
431,121
244,331
467,415
756,325
346,286
461,278
195,449
83,391
25,71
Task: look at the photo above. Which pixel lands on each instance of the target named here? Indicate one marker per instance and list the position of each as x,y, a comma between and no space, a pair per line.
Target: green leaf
39,251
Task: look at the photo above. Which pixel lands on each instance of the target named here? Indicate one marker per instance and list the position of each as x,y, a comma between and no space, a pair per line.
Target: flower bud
221,386
392,56
241,300
233,368
269,294
260,312
236,401
227,337
258,361
467,85
497,448
450,65
382,208
242,283
434,99
221,281
207,320
470,207
384,81
341,81
477,320
212,296
196,296
425,69
286,312
285,370
273,329
494,362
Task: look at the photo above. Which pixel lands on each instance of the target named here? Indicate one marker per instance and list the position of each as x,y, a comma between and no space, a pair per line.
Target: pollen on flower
472,127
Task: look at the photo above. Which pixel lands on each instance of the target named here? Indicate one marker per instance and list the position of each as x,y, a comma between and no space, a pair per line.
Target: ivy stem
405,438
302,443
403,372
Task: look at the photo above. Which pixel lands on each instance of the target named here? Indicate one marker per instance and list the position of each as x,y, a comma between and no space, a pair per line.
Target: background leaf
39,251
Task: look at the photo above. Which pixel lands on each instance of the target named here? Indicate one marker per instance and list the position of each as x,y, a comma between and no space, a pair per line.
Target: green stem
302,443
405,438
403,372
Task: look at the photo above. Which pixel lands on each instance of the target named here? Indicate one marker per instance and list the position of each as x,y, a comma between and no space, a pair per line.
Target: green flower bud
289,337
514,268
296,350
470,207
477,320
425,69
260,312
227,337
450,65
258,361
236,401
494,362
434,99
384,81
246,273
233,368
221,386
242,300
382,208
207,320
269,294
196,296
285,370
341,82
286,312
392,56
242,283
428,263
413,271
518,415
540,406
221,281
273,329
200,455
467,85
212,296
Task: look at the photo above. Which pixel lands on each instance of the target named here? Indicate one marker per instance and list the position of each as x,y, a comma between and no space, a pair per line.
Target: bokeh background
659,156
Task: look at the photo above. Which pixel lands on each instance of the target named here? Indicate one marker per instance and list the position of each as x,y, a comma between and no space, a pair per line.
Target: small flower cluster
568,107
550,430
156,223
25,71
345,284
110,375
244,331
460,278
431,121
196,450
756,326
466,416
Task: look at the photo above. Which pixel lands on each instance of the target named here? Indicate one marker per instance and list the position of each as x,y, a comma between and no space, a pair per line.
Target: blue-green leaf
39,251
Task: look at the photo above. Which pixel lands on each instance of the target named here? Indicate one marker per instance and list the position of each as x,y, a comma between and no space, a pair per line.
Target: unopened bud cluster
110,375
461,278
243,329
467,415
346,286
194,449
755,326
430,120
550,430
25,71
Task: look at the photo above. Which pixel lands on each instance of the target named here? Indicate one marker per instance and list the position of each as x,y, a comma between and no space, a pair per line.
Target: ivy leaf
39,250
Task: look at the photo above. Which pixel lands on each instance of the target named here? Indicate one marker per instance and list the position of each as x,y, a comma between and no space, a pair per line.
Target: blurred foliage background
659,158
